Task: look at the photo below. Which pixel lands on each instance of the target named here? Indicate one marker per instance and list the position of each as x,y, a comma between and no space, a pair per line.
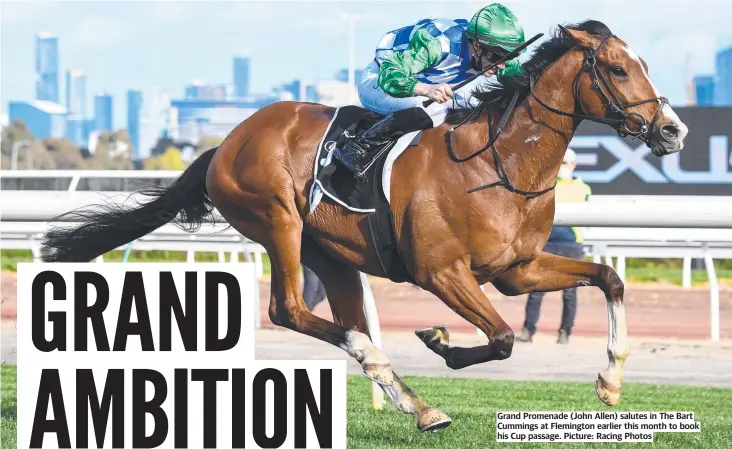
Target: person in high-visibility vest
563,241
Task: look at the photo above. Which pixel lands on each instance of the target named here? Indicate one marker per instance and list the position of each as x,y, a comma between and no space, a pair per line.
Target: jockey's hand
440,93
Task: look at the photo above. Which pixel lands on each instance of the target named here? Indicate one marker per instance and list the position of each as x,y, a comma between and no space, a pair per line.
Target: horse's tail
110,226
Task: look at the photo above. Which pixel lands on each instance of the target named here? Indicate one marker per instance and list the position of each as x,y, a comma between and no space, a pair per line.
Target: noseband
616,106
613,102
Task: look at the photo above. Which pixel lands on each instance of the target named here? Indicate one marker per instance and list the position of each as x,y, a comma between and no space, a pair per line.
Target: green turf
8,407
651,272
11,257
673,275
473,404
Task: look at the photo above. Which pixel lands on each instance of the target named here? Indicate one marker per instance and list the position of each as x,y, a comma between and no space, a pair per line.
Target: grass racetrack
8,407
472,404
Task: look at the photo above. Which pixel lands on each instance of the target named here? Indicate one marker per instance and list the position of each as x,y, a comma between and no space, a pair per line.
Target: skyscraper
134,107
76,92
294,88
75,129
148,112
198,90
43,118
47,67
103,112
241,76
723,83
704,90
342,75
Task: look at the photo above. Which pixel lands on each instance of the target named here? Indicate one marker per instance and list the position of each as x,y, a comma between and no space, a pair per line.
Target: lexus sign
616,166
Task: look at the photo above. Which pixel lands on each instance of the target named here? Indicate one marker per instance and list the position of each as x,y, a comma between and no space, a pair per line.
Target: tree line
113,151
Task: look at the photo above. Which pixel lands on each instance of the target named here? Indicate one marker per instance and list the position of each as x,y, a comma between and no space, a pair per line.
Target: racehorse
459,221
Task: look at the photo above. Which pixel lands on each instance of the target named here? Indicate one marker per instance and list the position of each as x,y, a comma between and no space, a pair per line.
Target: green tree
112,152
15,132
66,155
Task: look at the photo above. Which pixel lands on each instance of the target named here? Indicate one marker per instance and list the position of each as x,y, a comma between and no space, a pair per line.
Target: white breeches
375,99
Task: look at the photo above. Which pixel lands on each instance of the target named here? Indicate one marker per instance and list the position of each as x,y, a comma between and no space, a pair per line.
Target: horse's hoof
381,374
434,337
608,388
432,420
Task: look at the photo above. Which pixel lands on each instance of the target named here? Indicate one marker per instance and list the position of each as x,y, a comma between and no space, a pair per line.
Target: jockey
417,62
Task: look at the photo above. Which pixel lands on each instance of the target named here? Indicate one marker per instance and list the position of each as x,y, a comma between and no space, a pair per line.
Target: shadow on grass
9,413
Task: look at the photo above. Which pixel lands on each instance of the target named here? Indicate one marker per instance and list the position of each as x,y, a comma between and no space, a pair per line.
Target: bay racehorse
462,217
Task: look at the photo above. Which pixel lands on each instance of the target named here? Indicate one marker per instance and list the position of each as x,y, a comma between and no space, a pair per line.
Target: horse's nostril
670,131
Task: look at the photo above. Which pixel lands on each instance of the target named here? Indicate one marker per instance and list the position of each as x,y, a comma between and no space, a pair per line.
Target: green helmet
496,26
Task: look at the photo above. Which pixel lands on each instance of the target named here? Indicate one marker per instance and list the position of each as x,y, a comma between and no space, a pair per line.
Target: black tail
109,226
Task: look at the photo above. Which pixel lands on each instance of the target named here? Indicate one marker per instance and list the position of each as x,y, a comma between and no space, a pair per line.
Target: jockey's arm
396,73
424,51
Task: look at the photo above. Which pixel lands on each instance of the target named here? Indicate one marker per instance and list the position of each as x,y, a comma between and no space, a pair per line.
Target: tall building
198,90
704,90
342,75
134,108
89,126
47,67
76,92
75,129
148,115
103,107
43,118
241,77
311,93
294,88
723,83
199,118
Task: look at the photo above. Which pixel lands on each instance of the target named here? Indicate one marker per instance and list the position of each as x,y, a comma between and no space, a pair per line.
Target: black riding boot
354,151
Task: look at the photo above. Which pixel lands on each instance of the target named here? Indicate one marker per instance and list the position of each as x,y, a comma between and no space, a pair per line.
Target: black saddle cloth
366,196
337,181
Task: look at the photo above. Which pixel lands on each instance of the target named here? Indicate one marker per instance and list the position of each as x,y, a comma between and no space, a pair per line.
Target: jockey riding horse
417,62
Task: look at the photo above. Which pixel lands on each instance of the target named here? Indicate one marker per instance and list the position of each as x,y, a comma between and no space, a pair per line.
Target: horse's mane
497,96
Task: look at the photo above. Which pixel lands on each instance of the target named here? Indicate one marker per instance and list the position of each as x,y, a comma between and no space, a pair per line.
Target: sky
125,45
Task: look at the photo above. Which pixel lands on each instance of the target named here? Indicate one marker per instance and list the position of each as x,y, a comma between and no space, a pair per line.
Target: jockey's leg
403,115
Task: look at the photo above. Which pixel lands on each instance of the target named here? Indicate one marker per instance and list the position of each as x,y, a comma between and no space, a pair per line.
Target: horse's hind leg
345,295
280,234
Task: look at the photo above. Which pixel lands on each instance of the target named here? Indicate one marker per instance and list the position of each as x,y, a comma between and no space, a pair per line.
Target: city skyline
98,33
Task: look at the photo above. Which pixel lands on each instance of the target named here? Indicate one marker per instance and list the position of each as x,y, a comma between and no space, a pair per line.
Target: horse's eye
618,71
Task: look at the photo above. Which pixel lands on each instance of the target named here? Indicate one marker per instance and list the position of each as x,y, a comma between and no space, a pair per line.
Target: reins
615,104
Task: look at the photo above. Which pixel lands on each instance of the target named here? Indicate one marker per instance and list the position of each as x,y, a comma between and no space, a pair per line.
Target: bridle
616,106
644,132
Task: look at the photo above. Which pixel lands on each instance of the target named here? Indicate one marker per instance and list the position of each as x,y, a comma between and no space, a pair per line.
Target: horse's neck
537,137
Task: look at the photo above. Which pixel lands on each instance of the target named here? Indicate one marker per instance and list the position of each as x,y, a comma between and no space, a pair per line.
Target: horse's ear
583,39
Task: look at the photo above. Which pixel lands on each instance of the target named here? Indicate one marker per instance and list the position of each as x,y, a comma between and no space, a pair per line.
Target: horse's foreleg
345,295
459,290
550,273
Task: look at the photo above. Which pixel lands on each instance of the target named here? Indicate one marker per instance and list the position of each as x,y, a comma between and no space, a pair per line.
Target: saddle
334,181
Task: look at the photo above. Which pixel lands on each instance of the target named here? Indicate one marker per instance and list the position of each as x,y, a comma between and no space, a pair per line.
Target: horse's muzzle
669,138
